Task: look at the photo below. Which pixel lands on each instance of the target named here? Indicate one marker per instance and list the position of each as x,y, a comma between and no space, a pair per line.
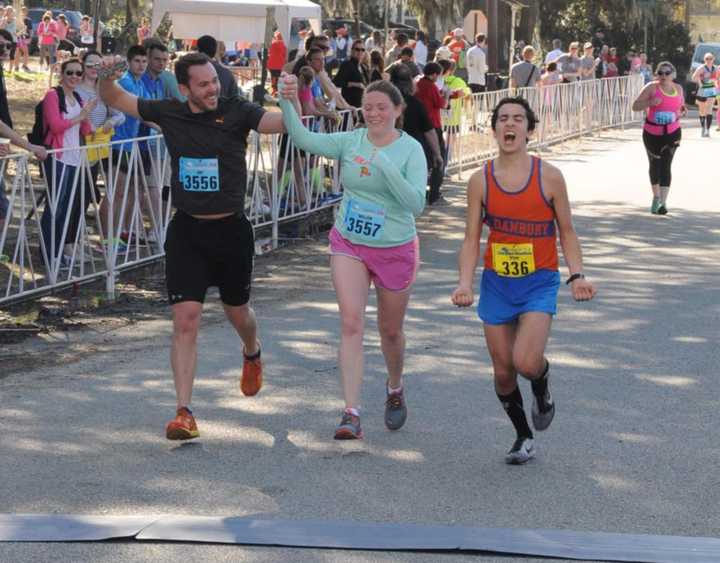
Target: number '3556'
201,183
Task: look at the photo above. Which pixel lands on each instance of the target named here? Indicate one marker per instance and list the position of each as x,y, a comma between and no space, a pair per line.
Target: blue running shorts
503,299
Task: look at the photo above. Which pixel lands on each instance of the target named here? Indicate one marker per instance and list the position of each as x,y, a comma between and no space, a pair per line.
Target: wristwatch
574,277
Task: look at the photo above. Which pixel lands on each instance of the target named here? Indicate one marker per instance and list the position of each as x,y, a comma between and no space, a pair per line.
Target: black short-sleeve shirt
416,121
351,71
207,150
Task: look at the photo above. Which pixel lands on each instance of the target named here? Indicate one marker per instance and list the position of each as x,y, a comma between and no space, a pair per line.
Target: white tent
233,20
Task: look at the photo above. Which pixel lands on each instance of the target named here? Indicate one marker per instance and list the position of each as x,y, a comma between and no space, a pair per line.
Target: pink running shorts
392,268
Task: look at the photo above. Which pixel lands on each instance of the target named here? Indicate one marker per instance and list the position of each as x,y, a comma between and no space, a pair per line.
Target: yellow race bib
513,260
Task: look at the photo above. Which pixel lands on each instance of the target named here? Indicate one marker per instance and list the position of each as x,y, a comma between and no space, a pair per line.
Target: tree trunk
356,17
132,13
128,36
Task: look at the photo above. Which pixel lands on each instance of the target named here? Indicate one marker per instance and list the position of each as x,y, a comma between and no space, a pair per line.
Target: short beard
199,102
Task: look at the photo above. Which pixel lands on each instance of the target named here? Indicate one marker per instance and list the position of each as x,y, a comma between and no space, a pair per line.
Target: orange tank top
522,226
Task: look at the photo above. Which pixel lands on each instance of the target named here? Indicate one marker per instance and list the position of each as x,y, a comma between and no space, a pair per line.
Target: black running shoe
662,210
543,409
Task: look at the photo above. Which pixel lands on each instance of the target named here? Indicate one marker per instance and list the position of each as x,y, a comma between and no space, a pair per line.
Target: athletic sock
664,190
702,121
539,385
708,119
513,405
252,357
352,410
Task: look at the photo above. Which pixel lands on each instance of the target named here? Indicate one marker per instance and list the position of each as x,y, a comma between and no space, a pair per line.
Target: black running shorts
121,160
200,253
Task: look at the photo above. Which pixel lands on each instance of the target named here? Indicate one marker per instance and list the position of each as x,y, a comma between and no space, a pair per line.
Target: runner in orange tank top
524,202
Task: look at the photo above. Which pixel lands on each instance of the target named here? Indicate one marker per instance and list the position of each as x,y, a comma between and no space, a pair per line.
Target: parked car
408,30
336,23
74,18
697,61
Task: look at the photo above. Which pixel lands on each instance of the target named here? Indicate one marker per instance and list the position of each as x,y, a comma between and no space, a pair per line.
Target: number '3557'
362,227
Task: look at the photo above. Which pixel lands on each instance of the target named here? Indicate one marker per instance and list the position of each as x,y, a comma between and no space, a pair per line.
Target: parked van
697,61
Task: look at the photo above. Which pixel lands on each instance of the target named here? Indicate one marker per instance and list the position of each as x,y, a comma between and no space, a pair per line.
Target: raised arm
469,254
112,94
331,91
270,123
56,123
325,144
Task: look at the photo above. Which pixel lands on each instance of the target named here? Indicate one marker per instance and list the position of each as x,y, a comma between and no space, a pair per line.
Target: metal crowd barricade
110,215
564,111
58,243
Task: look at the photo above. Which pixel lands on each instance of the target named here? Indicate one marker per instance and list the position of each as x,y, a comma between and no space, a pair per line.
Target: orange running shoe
252,374
182,427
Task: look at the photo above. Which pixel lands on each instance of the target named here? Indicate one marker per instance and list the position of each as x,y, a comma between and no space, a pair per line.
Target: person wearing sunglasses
663,102
65,118
103,120
706,77
353,75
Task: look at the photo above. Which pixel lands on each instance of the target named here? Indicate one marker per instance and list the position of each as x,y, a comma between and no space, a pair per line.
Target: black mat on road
564,544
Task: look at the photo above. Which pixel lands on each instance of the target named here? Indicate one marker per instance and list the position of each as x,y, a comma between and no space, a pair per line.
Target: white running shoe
522,451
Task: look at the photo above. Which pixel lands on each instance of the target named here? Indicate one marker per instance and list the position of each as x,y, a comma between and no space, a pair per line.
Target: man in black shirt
209,240
228,85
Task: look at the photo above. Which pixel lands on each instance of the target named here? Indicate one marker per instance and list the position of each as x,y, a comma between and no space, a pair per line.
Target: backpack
39,130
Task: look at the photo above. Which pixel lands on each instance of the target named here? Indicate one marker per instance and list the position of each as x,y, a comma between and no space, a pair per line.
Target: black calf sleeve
513,405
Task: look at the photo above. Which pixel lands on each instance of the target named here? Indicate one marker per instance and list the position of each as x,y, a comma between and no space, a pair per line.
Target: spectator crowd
333,67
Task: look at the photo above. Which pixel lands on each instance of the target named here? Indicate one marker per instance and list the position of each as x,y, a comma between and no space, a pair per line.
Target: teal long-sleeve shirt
384,187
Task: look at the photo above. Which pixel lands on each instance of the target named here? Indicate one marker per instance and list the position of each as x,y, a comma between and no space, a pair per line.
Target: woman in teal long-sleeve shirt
384,176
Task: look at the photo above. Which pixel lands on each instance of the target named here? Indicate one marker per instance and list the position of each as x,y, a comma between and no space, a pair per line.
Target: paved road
633,447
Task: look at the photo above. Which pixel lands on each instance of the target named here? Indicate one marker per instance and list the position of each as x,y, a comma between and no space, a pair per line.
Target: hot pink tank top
665,117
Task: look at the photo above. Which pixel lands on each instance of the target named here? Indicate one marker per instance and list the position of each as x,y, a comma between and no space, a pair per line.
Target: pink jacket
55,122
47,32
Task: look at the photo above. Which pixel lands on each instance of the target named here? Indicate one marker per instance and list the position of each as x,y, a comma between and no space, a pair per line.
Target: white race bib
364,219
